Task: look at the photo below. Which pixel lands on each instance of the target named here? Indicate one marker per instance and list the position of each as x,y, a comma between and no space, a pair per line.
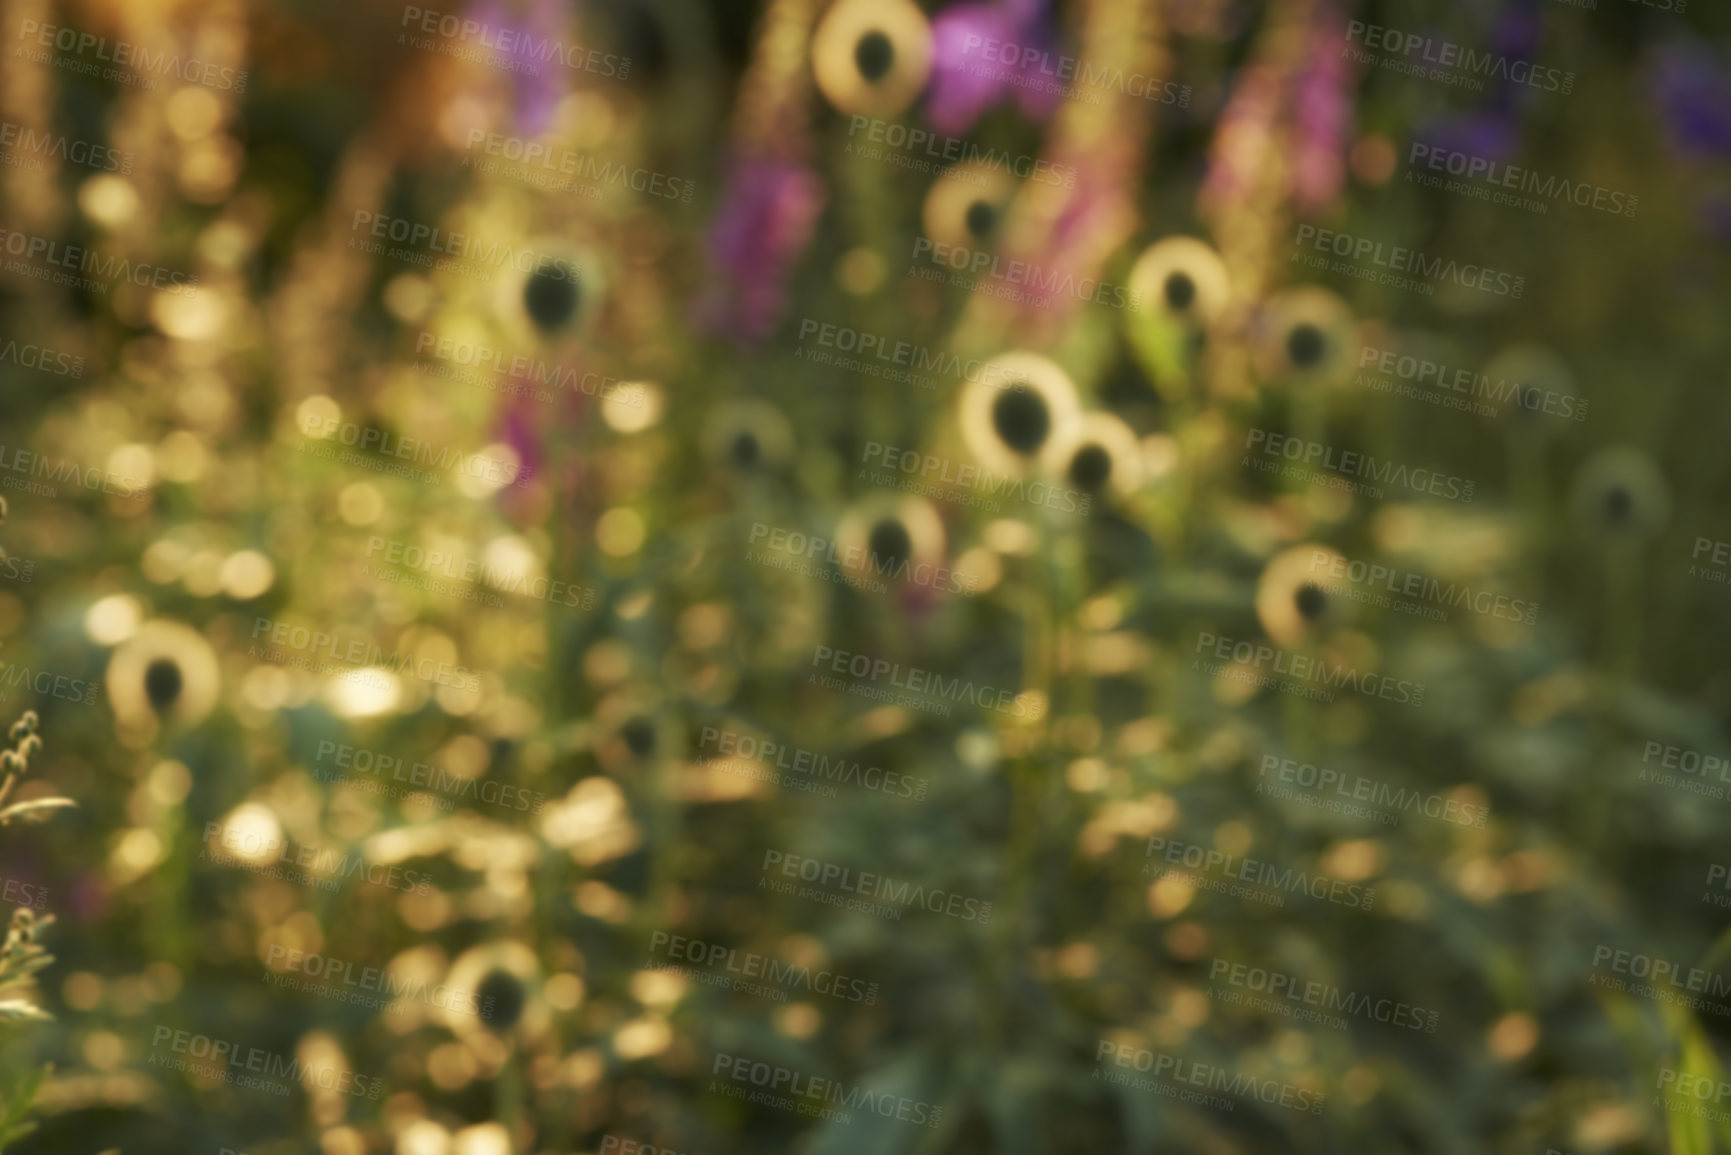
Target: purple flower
1322,118
766,219
966,81
1693,95
538,79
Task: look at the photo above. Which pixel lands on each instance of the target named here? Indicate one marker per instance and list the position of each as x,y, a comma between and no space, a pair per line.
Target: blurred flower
165,670
1010,411
1322,115
537,84
872,57
505,978
1620,493
965,84
764,224
965,205
1693,92
1095,452
890,537
1291,603
1304,335
1182,277
747,435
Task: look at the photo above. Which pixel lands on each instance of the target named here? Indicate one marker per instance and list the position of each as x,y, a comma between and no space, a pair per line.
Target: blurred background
865,576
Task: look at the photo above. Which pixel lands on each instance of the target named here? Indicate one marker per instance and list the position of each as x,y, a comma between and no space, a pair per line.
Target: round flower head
504,980
1182,278
1095,453
1542,374
1292,599
557,292
1304,335
1620,494
965,205
890,538
872,57
1012,408
747,436
166,671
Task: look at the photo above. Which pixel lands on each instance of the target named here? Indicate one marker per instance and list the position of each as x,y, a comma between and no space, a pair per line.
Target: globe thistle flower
966,204
1621,495
890,538
165,671
1538,370
560,295
1182,278
872,57
1095,453
1291,601
1305,336
505,980
747,436
1010,411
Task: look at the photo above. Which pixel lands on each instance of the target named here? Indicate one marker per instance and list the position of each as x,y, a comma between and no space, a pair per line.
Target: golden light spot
634,406
564,992
1168,896
1514,1035
108,200
193,112
797,1020
82,991
247,574
620,532
360,503
641,1038
113,619
860,270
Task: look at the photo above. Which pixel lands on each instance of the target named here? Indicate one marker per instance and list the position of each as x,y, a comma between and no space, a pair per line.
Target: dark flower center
1091,468
162,683
1180,291
1311,601
890,543
502,1000
1021,419
744,450
874,55
1618,505
1305,345
639,735
551,301
982,218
